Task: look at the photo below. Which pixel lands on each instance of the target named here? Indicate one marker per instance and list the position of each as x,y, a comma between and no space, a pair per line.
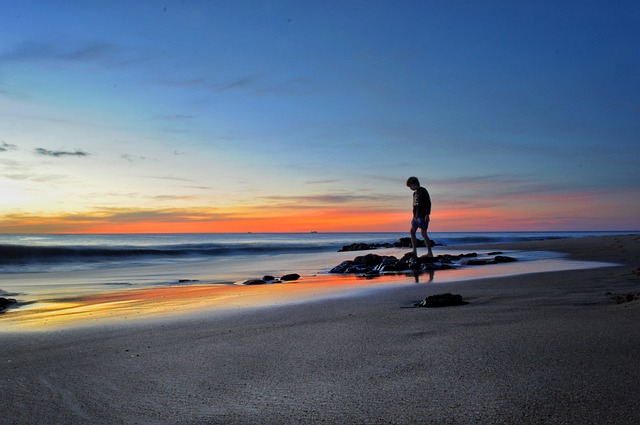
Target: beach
553,347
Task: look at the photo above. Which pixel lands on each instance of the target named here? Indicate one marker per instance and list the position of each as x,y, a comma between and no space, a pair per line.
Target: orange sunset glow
169,301
456,217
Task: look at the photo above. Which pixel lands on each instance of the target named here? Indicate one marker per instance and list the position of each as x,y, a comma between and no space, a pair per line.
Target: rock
429,260
401,243
342,267
442,300
268,278
406,243
357,269
364,264
290,277
254,282
390,264
359,247
408,257
354,247
626,298
446,258
399,266
188,280
6,302
494,253
414,263
369,260
478,262
503,259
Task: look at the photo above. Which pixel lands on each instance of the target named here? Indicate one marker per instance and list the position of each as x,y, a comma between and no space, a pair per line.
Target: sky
297,116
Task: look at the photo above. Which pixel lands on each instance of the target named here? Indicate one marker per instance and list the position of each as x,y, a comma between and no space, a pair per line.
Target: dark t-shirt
421,202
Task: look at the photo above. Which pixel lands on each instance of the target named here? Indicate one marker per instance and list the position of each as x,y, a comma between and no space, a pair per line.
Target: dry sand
541,348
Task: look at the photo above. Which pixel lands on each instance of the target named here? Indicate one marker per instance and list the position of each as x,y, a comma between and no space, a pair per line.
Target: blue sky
283,115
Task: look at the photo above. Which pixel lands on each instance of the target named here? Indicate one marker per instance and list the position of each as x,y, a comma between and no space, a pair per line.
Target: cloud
290,87
44,178
10,93
325,200
173,198
171,178
4,146
326,181
58,154
204,82
174,117
133,158
73,52
240,83
34,51
496,184
20,171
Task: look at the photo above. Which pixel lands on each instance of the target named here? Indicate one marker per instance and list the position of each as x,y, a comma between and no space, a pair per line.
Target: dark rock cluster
6,302
495,260
272,279
442,300
373,264
625,298
401,243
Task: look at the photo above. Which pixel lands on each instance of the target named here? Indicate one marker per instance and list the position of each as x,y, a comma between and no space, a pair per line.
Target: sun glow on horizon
329,219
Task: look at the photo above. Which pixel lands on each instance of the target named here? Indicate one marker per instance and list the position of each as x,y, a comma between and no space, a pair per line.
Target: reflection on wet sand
174,300
170,301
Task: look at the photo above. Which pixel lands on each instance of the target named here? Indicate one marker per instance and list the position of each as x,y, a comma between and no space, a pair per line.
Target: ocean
36,266
48,253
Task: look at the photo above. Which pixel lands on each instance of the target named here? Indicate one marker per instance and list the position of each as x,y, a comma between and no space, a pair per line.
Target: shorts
420,223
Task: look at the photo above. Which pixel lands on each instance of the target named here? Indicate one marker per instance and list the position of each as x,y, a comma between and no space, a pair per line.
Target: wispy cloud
174,117
58,154
173,198
21,171
38,178
133,158
206,83
497,184
326,181
36,51
314,201
240,83
4,146
171,178
9,92
71,51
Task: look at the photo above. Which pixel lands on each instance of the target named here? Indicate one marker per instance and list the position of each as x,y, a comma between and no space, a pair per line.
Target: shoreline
168,302
536,348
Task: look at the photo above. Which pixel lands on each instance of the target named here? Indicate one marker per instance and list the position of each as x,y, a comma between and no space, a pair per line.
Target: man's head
413,183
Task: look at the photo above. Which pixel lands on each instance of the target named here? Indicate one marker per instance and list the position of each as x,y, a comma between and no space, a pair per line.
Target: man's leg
426,241
414,241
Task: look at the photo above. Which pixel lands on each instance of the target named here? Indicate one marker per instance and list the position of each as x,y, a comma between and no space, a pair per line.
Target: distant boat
313,231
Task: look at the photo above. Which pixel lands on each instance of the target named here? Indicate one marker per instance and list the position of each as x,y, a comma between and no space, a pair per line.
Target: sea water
37,266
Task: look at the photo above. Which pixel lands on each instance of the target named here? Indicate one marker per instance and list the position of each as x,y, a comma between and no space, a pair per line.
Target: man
421,212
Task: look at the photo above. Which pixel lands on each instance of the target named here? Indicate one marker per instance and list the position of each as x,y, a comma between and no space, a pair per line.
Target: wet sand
538,348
